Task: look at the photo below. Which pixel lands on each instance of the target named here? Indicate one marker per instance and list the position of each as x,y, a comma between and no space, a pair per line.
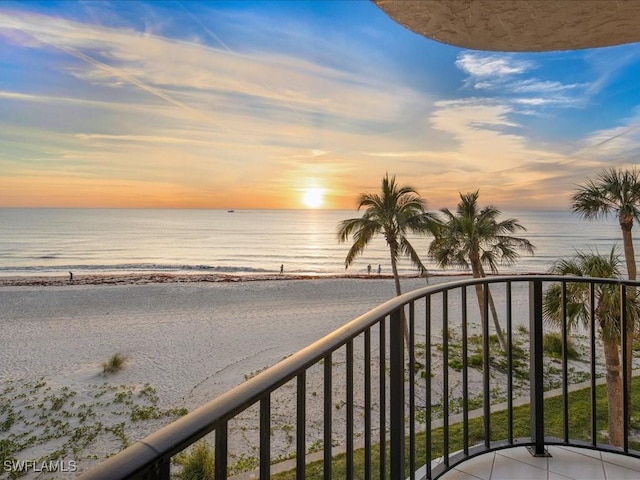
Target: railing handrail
175,437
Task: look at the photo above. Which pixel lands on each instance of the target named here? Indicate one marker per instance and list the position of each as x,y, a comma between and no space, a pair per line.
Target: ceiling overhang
520,25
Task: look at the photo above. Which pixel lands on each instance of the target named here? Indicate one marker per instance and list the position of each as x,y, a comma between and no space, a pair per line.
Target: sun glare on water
312,197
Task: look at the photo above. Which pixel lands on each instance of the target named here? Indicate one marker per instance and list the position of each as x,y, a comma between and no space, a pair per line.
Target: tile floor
563,464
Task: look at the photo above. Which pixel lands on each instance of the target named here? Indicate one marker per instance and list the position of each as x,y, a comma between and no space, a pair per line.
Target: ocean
89,241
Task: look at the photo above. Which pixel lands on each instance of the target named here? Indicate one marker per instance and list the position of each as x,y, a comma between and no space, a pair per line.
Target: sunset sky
292,105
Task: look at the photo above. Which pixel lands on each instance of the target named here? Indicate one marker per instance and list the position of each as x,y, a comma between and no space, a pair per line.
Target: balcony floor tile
565,463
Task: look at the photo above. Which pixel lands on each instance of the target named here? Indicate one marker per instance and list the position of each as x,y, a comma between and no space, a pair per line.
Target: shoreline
159,278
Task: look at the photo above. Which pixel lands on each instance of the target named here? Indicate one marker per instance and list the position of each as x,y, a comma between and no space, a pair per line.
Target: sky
185,104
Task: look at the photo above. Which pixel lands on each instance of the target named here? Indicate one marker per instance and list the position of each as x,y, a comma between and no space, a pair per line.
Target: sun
313,197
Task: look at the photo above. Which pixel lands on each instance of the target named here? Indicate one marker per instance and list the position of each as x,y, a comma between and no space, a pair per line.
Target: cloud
613,145
143,139
533,85
507,76
418,154
491,65
188,112
231,107
214,85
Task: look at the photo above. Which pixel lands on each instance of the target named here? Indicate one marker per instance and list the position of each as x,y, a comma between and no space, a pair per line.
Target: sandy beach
186,339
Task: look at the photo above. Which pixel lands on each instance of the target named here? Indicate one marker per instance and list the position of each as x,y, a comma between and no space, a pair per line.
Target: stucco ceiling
520,25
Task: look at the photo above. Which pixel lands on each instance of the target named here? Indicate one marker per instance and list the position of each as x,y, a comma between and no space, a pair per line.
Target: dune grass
198,463
115,363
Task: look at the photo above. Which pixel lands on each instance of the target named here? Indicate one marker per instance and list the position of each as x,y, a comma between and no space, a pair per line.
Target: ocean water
55,241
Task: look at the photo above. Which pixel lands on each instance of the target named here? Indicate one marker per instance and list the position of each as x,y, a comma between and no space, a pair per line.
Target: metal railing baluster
445,376
220,454
427,387
536,366
565,366
592,333
383,400
396,394
349,395
301,425
508,303
465,372
486,367
328,419
412,390
367,404
265,437
625,371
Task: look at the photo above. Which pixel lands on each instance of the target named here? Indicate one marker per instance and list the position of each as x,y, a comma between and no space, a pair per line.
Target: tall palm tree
607,315
614,192
473,238
394,213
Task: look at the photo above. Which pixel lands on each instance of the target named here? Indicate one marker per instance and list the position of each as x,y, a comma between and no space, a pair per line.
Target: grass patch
115,363
497,357
198,463
552,346
579,429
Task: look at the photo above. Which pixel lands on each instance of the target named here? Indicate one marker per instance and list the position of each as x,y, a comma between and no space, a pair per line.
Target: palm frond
471,232
394,212
407,249
607,305
613,192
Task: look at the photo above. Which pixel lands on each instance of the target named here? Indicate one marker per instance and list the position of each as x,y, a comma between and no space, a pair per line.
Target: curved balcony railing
397,399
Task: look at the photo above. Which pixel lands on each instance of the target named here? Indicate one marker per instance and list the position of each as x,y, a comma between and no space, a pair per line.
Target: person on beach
71,277
369,269
379,269
281,269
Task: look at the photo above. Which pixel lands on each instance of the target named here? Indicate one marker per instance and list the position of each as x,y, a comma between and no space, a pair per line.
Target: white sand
193,341
188,341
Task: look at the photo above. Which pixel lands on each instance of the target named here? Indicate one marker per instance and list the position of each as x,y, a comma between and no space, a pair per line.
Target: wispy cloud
491,65
510,77
615,145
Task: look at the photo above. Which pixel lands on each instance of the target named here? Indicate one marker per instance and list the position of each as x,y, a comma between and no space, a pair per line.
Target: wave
133,267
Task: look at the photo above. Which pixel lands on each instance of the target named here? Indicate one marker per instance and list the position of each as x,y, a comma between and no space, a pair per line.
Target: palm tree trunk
627,242
494,314
626,224
614,392
396,278
478,272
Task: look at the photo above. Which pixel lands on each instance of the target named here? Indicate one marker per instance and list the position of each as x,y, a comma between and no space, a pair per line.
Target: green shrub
115,363
552,346
198,464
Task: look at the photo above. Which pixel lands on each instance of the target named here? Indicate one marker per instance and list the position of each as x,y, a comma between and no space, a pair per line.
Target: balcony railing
399,395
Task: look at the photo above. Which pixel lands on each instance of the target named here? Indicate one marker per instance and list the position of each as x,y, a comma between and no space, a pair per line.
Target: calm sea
54,241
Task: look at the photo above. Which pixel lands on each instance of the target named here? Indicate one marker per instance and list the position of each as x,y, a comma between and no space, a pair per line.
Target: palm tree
614,192
606,314
394,213
472,239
